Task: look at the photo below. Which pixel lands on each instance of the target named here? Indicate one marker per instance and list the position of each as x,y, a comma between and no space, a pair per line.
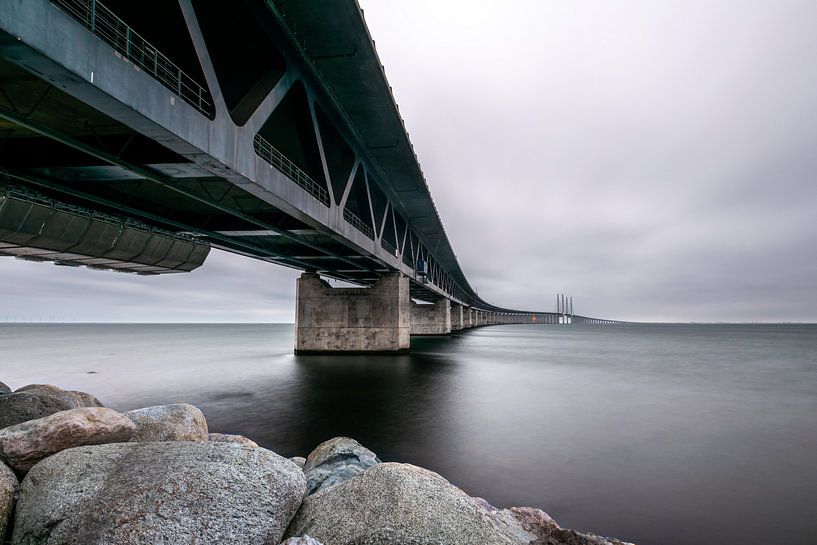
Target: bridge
136,136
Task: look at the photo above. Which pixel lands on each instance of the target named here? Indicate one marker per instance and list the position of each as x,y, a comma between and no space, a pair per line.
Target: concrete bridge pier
468,318
350,320
457,317
432,319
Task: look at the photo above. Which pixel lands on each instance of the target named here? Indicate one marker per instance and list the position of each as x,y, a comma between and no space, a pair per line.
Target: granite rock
159,493
19,407
543,530
396,504
298,461
86,399
177,422
25,444
335,461
8,489
230,438
80,399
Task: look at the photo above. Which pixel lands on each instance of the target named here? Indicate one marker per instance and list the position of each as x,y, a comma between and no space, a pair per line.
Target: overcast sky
655,159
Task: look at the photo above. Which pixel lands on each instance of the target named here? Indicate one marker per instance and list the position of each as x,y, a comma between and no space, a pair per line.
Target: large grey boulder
396,504
4,389
177,422
531,526
8,488
230,438
25,444
163,493
543,530
38,400
335,461
401,504
81,399
23,406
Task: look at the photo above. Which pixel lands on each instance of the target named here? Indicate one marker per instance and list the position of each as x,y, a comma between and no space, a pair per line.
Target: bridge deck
266,128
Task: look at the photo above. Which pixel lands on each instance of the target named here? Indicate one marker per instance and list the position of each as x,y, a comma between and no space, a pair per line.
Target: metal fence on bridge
112,30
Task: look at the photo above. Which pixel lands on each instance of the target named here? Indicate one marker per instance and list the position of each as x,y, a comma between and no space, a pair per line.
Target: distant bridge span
135,139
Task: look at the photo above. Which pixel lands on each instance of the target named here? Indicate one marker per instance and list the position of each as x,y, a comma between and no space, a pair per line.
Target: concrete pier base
468,318
352,320
457,317
431,319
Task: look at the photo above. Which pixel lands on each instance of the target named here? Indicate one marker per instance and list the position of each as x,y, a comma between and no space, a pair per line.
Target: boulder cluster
75,472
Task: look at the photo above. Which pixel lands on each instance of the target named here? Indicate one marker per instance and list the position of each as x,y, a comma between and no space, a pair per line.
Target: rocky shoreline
75,472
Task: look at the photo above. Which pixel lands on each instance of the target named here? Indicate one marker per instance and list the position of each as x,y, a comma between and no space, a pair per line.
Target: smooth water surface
658,434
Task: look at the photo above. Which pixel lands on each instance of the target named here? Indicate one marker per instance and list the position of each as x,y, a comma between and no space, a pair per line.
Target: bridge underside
206,124
70,152
315,201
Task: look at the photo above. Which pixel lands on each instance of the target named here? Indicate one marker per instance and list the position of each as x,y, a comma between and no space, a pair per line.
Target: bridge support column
431,319
376,319
457,317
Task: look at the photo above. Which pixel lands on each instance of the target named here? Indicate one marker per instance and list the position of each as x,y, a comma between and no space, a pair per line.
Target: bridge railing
388,246
268,153
105,25
352,219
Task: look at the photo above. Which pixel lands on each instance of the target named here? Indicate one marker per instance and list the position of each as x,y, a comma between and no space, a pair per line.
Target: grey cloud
656,160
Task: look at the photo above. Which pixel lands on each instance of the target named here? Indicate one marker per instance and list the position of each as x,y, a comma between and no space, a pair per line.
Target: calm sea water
660,434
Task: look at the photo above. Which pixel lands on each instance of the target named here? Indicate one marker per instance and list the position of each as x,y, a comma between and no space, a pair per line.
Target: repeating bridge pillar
376,319
468,317
431,319
457,317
